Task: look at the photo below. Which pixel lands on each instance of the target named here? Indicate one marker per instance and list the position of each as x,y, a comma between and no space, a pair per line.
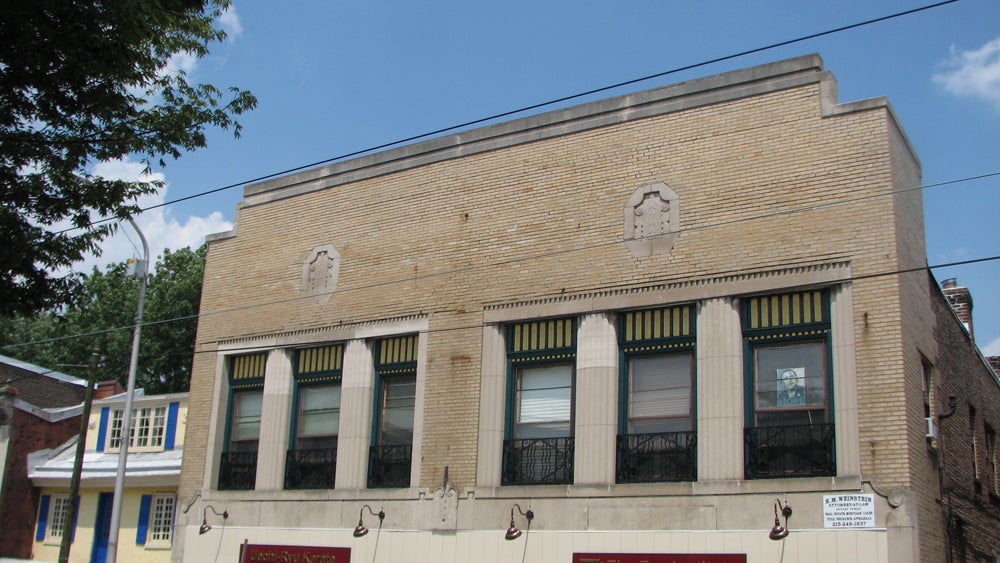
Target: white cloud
158,226
230,22
181,62
973,73
993,348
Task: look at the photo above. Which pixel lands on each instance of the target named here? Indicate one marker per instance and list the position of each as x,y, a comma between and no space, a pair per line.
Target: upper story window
238,467
993,462
789,420
148,428
312,459
539,446
391,451
656,426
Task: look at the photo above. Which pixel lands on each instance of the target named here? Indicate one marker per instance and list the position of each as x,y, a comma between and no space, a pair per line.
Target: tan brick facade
779,188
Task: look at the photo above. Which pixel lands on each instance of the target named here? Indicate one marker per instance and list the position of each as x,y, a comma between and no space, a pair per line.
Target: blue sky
334,77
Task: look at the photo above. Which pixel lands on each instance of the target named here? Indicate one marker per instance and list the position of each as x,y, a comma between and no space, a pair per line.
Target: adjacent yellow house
149,502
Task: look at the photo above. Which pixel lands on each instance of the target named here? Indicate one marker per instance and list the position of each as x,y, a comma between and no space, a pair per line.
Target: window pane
246,419
791,377
660,393
319,410
544,403
398,399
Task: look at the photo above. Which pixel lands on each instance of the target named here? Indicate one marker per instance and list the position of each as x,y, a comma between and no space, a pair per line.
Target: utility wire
543,104
533,257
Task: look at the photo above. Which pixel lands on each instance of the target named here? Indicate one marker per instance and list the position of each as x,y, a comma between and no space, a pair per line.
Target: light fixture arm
361,530
513,532
779,532
204,518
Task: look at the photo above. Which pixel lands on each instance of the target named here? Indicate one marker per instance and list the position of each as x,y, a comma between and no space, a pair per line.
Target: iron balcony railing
238,471
789,451
657,457
538,461
311,469
389,466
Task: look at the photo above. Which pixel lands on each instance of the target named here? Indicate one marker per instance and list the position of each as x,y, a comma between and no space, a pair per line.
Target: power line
521,259
545,104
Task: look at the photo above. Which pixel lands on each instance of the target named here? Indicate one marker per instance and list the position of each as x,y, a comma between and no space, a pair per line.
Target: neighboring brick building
967,451
654,320
45,406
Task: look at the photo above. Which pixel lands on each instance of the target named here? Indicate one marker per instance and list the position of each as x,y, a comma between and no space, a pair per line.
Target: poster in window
791,387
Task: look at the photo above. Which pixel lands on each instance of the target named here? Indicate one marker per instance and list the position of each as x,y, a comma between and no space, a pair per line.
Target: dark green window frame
789,409
655,332
395,367
314,366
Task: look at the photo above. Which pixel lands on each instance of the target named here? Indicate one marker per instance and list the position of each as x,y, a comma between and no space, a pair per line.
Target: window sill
693,488
157,546
404,493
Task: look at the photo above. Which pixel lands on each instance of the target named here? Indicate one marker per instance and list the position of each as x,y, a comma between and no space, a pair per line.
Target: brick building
653,322
39,408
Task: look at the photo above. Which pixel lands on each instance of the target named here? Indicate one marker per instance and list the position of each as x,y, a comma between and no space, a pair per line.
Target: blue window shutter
43,518
102,430
171,425
140,529
76,516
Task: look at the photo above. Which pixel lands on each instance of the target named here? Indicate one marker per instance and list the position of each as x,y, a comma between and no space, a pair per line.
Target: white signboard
849,511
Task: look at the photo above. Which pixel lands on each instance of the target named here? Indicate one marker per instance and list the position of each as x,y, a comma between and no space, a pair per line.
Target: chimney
995,364
107,389
961,302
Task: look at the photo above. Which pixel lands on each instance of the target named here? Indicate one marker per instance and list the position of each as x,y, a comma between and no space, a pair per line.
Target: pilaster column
720,390
845,381
355,416
492,406
596,400
275,419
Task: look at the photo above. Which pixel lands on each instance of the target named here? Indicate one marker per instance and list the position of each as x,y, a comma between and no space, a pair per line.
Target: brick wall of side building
970,495
19,505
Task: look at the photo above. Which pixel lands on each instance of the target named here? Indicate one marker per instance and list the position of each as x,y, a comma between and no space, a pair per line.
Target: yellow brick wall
544,219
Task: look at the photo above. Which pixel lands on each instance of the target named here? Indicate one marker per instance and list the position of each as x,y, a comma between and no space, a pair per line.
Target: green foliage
84,82
101,315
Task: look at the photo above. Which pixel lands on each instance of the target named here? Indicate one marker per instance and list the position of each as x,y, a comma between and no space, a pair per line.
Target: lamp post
141,271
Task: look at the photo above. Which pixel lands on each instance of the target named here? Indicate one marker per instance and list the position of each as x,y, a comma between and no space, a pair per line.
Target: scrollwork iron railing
538,461
804,450
238,471
389,466
657,457
311,469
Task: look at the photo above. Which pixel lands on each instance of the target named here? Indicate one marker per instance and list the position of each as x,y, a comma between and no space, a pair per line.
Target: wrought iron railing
311,469
657,457
389,466
238,471
538,461
789,451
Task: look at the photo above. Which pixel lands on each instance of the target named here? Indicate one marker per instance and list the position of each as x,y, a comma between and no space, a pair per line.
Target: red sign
658,558
293,554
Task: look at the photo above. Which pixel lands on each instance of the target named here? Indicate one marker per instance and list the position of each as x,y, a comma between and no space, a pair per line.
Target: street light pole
141,271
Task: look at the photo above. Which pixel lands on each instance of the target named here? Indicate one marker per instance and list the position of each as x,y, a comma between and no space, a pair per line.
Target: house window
238,467
312,460
539,446
58,509
789,428
391,450
147,431
656,434
161,530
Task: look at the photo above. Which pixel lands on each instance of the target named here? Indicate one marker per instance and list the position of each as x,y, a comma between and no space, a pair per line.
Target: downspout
945,505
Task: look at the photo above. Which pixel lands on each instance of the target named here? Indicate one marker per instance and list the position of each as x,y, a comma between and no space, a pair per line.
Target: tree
83,82
100,317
